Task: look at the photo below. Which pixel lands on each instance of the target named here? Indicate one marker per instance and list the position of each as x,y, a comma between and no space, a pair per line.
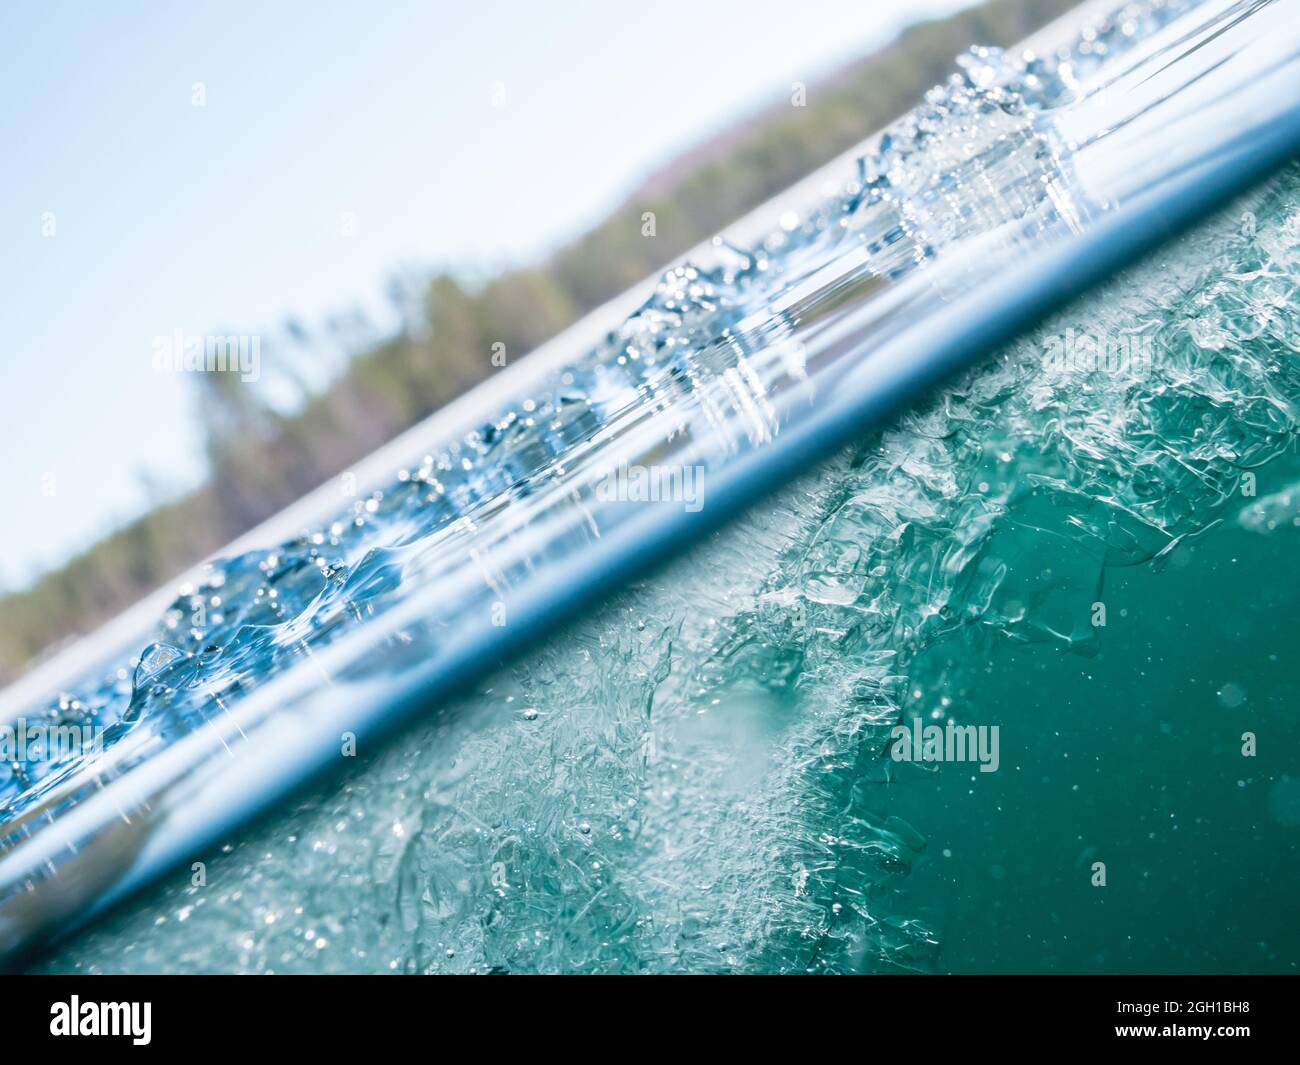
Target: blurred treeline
263,454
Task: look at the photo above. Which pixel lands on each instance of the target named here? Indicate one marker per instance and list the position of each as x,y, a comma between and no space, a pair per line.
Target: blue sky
226,217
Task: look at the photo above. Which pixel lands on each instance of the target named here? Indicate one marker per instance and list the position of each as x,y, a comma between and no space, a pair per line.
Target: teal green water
697,777
1132,758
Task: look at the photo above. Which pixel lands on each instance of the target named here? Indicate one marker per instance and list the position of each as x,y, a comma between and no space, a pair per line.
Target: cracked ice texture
689,779
971,158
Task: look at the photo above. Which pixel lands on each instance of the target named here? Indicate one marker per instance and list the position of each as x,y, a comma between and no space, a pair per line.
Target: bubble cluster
693,778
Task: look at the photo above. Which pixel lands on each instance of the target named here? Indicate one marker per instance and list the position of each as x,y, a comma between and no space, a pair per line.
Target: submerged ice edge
705,354
691,780
266,606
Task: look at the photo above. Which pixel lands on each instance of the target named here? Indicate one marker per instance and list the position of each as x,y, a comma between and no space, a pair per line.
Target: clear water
695,776
708,344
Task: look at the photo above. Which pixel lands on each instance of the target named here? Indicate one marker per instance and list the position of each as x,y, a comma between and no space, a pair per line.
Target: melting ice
691,777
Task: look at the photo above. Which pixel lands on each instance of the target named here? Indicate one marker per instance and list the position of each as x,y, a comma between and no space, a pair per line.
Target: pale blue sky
227,217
